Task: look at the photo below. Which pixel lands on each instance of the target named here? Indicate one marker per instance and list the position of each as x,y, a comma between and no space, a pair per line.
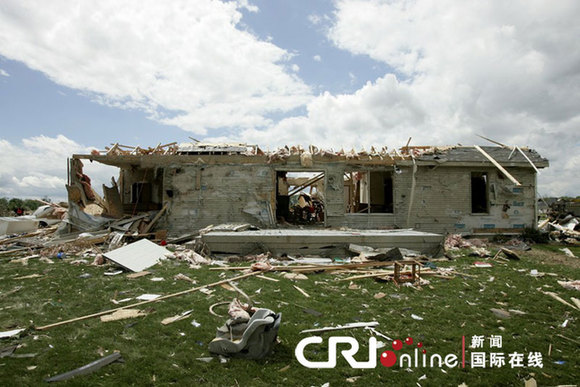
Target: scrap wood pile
101,245
118,149
563,222
476,247
352,154
409,271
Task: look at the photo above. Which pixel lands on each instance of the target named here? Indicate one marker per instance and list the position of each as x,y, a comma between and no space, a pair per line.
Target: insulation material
138,256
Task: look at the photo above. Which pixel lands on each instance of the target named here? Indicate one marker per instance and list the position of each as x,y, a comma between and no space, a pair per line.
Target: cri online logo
388,358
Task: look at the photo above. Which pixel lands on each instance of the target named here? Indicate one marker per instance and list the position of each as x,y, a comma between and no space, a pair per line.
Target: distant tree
15,203
4,209
8,207
31,204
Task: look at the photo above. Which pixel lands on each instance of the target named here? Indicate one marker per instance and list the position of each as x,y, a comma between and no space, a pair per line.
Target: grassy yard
156,354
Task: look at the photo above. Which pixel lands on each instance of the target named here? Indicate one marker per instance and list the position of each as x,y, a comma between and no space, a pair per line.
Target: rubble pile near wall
563,222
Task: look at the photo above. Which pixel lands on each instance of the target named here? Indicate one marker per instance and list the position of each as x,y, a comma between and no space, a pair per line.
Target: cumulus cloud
317,58
510,71
3,73
185,63
37,167
507,70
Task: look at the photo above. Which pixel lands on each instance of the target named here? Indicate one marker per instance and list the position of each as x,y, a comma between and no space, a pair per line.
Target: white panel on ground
137,256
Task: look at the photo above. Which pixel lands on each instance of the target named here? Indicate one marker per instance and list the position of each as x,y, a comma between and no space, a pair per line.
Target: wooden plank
98,314
529,161
156,218
502,169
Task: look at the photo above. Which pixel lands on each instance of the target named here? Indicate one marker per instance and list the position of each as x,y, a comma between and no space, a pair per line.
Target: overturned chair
252,339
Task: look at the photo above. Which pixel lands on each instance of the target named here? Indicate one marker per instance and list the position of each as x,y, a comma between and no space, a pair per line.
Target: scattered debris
510,254
568,252
560,299
501,313
138,274
87,369
341,327
183,277
8,351
12,333
572,285
295,276
123,314
28,276
415,317
113,273
148,297
302,291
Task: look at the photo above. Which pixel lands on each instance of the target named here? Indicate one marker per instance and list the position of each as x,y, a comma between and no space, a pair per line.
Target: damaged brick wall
200,195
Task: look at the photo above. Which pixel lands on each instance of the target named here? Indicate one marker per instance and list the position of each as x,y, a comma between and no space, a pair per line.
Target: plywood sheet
137,256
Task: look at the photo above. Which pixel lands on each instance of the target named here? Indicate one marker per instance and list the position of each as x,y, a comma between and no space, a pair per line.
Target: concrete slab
331,243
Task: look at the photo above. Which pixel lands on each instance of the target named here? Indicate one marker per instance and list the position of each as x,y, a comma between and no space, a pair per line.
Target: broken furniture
415,276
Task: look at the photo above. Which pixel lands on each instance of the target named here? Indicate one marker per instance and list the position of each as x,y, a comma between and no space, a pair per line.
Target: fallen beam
45,327
86,369
502,169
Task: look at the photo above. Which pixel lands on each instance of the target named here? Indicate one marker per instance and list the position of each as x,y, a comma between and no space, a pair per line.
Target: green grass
155,354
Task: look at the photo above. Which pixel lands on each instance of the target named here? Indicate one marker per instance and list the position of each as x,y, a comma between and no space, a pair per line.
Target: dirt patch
552,258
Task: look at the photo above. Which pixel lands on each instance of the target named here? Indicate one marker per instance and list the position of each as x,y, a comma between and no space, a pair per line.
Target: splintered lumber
156,218
569,339
384,273
502,169
302,291
340,327
45,327
560,299
267,278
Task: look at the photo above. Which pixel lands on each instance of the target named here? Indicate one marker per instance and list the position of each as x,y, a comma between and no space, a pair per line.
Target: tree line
9,207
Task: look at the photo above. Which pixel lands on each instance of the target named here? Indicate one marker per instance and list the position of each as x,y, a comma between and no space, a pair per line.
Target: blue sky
343,73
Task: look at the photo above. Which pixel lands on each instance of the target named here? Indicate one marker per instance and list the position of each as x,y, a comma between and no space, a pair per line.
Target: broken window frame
481,201
389,200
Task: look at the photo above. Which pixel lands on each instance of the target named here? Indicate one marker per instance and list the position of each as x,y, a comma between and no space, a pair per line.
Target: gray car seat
251,340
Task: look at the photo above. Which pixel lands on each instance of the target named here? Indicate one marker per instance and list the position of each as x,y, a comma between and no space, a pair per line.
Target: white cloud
37,167
295,68
179,56
3,73
317,58
314,19
510,71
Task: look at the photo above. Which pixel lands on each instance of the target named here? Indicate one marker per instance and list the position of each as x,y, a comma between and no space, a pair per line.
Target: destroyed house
453,189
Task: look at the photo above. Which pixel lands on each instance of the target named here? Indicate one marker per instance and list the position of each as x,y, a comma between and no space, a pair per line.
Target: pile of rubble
563,222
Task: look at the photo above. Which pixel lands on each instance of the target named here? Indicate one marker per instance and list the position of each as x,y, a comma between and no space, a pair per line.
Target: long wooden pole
498,166
45,327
